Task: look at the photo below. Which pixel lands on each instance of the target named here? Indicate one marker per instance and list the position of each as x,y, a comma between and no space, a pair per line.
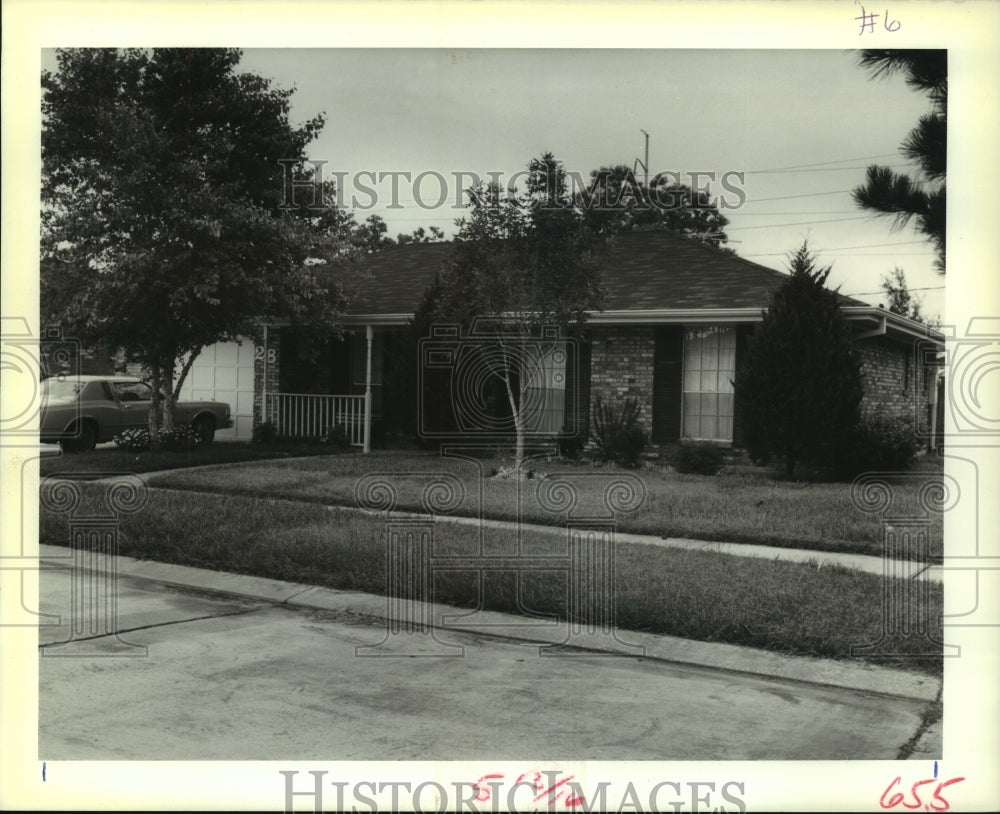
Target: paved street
244,679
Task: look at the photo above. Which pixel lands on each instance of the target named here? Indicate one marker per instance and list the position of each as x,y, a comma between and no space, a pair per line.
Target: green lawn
742,505
113,459
785,607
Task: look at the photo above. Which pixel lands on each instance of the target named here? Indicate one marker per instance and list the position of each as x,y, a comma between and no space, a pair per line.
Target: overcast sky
802,125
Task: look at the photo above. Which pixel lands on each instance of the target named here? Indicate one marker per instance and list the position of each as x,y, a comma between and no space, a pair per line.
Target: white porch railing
301,415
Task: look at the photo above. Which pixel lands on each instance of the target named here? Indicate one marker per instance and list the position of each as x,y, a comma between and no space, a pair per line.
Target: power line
806,195
856,254
799,223
874,245
924,288
800,212
819,169
824,163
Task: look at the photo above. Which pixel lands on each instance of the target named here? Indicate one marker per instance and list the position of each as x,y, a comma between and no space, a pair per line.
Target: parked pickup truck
81,411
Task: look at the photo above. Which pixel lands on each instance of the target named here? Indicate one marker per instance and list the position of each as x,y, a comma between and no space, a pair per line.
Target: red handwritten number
916,797
553,792
937,802
937,794
895,800
483,792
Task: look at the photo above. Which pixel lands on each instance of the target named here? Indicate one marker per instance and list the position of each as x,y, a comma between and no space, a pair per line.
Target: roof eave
896,325
660,316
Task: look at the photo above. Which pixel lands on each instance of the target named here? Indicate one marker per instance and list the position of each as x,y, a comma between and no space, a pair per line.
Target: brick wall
273,364
621,366
884,372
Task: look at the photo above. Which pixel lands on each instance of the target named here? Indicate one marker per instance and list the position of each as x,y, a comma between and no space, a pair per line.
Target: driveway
195,675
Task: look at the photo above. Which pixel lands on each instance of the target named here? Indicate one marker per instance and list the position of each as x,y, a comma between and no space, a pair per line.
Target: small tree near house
799,387
521,263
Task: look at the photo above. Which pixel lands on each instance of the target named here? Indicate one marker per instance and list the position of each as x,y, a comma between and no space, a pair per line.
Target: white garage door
224,372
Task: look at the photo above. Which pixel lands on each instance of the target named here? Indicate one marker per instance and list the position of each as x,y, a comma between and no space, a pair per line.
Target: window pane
707,427
709,370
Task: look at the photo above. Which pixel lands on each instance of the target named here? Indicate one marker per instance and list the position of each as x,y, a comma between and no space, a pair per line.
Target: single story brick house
676,320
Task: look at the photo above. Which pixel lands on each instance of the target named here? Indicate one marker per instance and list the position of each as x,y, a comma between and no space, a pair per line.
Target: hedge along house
676,321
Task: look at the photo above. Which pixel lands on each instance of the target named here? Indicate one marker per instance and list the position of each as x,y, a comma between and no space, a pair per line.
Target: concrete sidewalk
262,668
906,569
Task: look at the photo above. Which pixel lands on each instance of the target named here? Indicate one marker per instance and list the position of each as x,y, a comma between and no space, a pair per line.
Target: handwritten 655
935,801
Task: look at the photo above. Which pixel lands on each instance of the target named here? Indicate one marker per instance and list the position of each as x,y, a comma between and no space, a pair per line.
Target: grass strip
736,506
113,459
792,608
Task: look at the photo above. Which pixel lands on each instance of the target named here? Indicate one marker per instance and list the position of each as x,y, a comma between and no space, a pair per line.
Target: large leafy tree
921,196
166,225
519,263
799,386
617,201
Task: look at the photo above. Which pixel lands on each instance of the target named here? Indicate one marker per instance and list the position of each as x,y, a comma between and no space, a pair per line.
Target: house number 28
272,355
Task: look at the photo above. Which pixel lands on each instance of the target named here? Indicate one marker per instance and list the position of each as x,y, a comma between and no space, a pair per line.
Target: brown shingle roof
644,270
396,278
654,269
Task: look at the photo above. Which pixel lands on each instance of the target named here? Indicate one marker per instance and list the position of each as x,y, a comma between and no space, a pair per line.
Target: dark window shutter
667,356
576,416
743,333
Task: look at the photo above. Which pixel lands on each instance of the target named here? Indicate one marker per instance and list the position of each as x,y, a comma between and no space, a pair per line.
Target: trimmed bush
571,446
138,440
180,437
135,440
337,438
879,443
619,436
699,458
265,433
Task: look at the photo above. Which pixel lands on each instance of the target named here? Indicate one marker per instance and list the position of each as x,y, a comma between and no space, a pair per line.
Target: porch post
368,388
263,389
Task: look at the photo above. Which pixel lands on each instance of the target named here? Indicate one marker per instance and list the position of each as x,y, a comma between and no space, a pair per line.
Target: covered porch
308,389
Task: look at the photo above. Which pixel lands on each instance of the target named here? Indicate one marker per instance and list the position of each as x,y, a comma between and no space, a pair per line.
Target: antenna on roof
643,164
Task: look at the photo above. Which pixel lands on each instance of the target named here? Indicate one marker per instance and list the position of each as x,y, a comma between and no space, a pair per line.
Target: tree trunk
167,393
168,404
154,404
184,372
518,424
